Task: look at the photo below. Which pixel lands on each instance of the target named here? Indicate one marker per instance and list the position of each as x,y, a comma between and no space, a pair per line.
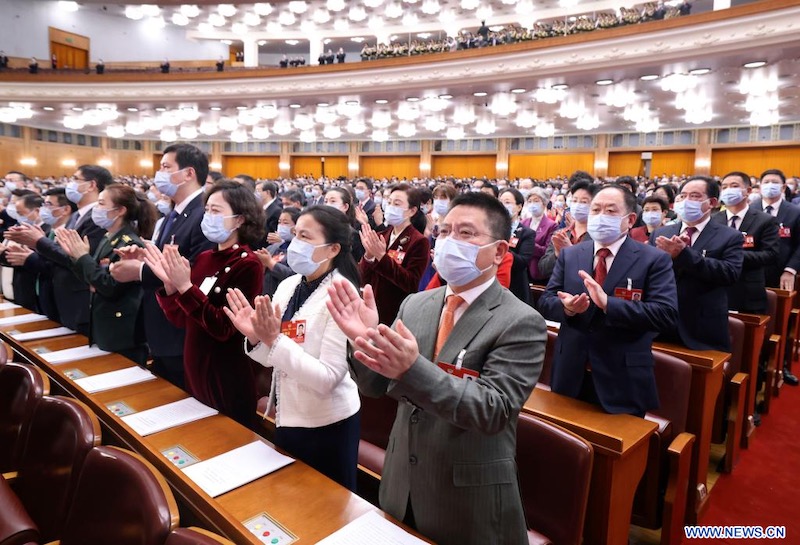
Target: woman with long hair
316,402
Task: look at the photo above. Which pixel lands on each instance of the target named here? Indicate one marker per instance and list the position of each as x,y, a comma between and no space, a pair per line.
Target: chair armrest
679,455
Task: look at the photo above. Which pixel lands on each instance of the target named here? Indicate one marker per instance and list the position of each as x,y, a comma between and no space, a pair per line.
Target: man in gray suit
450,469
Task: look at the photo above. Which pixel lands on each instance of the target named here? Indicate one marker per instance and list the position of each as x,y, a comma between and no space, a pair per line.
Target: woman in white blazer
316,401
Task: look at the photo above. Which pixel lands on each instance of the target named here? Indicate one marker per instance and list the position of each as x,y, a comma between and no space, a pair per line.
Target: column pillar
315,49
285,161
601,156
501,162
353,160
250,52
425,159
702,153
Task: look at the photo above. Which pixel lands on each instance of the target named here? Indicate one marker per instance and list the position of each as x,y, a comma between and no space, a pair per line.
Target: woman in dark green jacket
116,322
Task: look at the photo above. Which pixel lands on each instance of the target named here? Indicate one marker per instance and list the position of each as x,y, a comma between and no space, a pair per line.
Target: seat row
59,485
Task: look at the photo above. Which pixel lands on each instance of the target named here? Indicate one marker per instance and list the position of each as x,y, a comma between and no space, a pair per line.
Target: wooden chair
21,388
555,470
377,418
121,499
662,494
62,433
771,351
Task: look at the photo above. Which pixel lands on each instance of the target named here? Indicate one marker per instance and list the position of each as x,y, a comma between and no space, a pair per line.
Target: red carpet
764,489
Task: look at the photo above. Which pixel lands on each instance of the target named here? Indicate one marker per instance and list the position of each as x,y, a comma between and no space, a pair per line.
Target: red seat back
21,388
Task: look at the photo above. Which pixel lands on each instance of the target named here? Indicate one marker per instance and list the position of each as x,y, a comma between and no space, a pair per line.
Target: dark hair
491,187
271,188
425,194
24,176
444,191
629,182
100,175
658,200
774,171
22,192
216,176
294,213
248,180
187,155
243,203
366,181
411,193
518,198
347,198
140,213
582,185
61,197
739,174
712,186
668,189
580,176
337,230
496,213
295,195
32,201
629,198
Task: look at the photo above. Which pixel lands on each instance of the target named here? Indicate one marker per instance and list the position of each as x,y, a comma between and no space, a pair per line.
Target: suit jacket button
227,269
244,254
412,460
414,418
118,314
217,289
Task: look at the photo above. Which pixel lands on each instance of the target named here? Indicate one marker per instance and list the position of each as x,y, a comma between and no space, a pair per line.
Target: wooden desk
755,330
620,444
783,310
305,502
706,384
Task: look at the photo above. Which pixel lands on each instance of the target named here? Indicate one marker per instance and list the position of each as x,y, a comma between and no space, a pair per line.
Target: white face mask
604,228
455,261
299,257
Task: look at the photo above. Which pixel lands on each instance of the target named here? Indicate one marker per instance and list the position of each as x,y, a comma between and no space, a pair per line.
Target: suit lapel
707,234
468,326
623,261
747,222
430,313
586,258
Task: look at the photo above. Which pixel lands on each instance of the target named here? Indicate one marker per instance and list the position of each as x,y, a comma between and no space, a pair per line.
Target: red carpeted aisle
764,489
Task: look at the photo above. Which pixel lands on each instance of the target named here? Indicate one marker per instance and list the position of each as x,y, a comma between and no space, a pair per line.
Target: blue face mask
579,211
769,190
101,219
732,196
535,209
46,215
361,194
11,186
163,181
455,261
152,196
213,227
652,219
73,193
285,232
11,210
299,257
604,228
394,215
165,207
689,211
440,206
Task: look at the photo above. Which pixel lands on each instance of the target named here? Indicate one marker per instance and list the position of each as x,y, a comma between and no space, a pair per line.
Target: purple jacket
543,235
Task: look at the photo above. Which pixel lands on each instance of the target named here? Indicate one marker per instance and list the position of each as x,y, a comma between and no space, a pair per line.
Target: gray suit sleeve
548,261
486,404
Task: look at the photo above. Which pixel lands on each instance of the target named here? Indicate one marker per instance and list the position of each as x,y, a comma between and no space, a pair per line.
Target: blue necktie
167,228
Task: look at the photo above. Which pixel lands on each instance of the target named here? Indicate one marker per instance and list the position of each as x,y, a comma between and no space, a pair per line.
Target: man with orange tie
461,360
612,295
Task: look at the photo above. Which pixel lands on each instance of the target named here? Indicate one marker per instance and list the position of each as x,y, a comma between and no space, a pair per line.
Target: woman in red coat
218,372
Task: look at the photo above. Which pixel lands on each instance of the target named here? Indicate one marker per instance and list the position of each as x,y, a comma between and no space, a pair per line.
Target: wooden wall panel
754,161
389,166
257,166
51,157
304,165
625,163
10,154
464,166
549,165
67,57
675,162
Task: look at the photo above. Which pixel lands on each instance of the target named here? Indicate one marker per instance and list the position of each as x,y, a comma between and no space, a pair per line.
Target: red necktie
448,320
689,233
600,270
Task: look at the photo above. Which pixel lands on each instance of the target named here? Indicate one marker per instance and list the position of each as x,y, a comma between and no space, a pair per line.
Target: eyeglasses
461,233
691,196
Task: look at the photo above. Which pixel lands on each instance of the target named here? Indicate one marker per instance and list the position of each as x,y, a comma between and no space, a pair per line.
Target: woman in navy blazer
544,228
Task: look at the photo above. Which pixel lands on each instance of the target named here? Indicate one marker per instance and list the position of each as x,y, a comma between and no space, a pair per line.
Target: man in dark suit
363,189
24,281
707,258
471,354
609,319
272,205
783,273
71,294
184,169
759,241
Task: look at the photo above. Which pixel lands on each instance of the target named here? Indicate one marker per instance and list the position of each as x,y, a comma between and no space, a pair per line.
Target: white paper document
556,325
42,334
168,416
22,319
114,379
72,354
235,468
8,306
369,529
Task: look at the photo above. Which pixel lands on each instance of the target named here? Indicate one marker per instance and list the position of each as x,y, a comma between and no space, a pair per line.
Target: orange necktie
448,319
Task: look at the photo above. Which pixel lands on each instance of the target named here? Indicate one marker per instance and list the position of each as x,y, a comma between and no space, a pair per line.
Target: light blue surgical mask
579,211
440,206
46,215
73,193
455,261
604,228
152,197
771,190
101,219
361,194
11,210
394,215
11,186
163,181
535,209
652,218
24,220
285,232
689,211
511,209
299,257
165,207
732,196
213,227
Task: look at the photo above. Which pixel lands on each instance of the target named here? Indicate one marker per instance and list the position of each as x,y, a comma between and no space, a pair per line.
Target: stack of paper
554,325
369,529
72,354
114,379
8,306
42,334
168,416
235,468
22,319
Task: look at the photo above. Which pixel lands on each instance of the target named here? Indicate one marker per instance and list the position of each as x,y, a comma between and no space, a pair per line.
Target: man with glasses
707,258
613,296
72,295
461,360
